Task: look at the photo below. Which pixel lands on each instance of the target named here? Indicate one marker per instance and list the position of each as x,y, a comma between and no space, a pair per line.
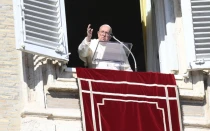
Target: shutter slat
41,15
201,26
42,36
202,39
43,26
43,31
201,13
208,27
203,55
202,34
200,17
42,20
202,45
199,2
50,2
201,29
42,4
38,41
203,51
40,9
200,7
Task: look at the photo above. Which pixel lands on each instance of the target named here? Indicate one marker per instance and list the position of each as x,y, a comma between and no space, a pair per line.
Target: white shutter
197,39
42,27
201,24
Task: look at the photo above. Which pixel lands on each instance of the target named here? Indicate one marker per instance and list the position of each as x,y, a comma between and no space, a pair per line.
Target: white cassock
86,51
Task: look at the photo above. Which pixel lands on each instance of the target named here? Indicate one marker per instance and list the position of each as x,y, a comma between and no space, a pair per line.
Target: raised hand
89,33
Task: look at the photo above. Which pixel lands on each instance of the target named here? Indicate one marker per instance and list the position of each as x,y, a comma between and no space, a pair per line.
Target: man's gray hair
110,32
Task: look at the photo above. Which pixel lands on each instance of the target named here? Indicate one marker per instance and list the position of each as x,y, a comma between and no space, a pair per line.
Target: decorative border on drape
126,95
96,107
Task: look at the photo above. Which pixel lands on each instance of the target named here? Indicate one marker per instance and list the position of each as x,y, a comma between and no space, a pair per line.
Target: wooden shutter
43,26
201,26
196,24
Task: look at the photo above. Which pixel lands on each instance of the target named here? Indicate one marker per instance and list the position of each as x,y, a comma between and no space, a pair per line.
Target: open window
122,15
41,28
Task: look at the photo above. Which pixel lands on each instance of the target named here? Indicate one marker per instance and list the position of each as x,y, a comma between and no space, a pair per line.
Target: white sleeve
83,48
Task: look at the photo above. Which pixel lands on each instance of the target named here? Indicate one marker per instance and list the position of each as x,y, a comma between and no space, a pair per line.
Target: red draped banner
128,101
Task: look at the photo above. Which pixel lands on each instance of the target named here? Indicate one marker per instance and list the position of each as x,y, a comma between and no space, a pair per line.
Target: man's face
104,33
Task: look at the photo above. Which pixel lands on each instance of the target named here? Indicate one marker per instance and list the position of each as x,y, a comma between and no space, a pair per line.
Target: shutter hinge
59,49
67,56
200,62
22,46
23,9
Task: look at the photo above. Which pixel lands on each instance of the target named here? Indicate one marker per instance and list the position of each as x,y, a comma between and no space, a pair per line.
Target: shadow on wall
39,71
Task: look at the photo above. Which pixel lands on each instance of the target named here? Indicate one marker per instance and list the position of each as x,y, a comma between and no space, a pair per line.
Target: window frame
168,55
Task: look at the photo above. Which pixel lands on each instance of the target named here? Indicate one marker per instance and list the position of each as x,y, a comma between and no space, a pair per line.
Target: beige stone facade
10,84
34,90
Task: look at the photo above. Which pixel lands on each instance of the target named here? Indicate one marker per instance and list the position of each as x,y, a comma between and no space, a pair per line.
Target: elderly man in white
88,46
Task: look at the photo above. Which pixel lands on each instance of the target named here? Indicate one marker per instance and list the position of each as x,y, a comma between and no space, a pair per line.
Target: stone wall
10,94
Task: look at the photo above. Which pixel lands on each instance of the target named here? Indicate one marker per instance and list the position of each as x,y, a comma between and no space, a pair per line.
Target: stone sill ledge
68,89
69,69
67,114
191,95
66,79
63,87
201,122
184,93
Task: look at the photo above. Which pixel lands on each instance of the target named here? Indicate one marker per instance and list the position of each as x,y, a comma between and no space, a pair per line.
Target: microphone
112,36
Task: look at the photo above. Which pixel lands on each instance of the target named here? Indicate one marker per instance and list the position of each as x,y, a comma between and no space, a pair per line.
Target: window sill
67,114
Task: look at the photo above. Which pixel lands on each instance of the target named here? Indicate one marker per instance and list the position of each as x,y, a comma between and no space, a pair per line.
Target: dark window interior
122,15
